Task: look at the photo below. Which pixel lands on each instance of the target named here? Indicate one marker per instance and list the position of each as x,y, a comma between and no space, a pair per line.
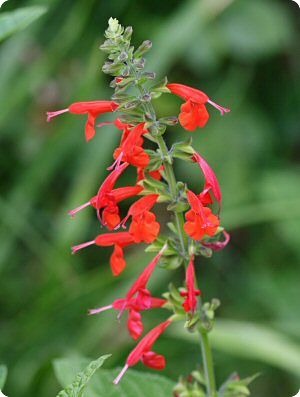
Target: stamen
121,374
100,309
81,207
51,115
81,246
221,109
123,222
105,123
116,164
121,311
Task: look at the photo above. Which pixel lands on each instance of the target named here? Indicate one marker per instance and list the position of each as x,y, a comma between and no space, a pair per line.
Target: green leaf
3,375
78,385
13,21
134,383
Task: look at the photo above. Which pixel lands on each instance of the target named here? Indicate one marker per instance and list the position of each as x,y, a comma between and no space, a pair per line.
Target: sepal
142,49
160,86
236,387
175,300
170,121
183,150
190,386
154,186
207,314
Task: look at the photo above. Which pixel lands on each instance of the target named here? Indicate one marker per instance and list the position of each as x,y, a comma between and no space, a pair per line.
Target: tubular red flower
193,112
200,220
142,281
143,352
121,238
144,228
113,197
93,109
137,299
211,181
107,187
190,303
119,241
134,323
142,205
131,149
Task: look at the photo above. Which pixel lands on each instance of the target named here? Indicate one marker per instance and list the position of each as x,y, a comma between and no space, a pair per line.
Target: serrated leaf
13,21
3,375
134,383
78,385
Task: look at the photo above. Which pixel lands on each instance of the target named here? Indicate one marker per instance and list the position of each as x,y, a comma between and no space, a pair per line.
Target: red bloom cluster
144,227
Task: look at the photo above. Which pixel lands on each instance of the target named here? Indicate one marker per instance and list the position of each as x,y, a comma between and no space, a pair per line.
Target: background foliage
245,54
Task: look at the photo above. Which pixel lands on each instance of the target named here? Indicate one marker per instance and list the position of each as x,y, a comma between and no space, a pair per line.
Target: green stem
208,364
170,176
179,219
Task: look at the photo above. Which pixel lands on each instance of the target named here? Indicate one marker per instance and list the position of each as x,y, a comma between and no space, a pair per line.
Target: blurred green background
245,54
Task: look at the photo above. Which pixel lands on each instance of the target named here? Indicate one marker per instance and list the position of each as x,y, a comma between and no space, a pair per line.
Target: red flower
134,324
119,241
200,220
193,112
143,352
140,206
107,186
142,281
190,303
93,109
131,149
114,196
211,181
137,299
144,228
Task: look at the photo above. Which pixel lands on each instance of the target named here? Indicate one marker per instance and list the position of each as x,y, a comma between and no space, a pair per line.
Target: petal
90,128
153,360
117,261
135,325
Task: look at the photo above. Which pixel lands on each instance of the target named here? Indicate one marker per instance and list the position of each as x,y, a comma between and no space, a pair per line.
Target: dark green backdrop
245,55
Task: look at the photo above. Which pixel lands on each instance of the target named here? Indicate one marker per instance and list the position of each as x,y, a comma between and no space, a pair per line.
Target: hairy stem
170,176
179,219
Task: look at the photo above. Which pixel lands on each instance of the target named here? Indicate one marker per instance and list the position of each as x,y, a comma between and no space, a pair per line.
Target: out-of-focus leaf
13,21
134,383
255,28
252,341
78,385
3,375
